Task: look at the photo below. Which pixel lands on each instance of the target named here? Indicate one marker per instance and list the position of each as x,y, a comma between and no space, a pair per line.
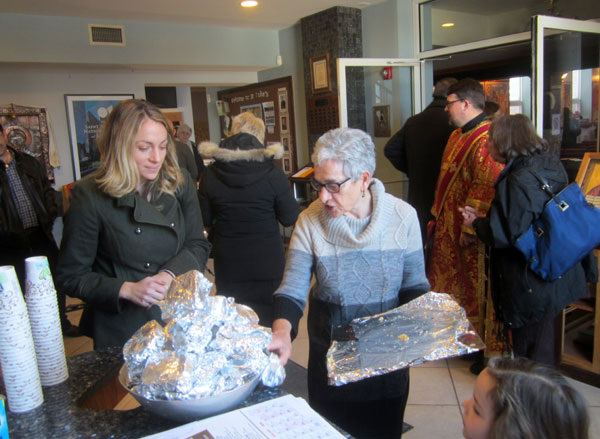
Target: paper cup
44,318
17,352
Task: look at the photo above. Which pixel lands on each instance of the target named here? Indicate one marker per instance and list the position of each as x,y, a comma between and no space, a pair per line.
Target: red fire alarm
386,72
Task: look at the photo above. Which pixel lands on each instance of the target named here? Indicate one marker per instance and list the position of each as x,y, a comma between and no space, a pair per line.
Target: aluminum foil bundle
245,315
220,307
431,327
241,341
149,341
209,346
201,356
187,292
191,333
274,374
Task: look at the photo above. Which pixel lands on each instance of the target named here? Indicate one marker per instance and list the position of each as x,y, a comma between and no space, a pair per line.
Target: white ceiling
269,14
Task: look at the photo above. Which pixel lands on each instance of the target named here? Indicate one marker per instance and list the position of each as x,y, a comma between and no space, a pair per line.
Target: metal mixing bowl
192,409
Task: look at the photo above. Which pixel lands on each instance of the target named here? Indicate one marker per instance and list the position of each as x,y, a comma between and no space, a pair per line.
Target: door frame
342,63
539,23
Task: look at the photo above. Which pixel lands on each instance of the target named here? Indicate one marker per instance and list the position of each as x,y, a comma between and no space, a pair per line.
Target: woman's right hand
146,292
281,343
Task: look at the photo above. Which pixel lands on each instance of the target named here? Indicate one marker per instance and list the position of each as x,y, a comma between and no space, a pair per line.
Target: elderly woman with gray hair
184,134
364,248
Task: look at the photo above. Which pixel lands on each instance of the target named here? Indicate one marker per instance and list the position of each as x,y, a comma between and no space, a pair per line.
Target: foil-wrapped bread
209,345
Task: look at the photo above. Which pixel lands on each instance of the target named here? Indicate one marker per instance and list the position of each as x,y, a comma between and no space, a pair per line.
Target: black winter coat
522,298
243,198
417,151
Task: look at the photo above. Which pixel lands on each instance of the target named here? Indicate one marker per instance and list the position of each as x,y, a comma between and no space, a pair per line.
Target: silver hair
184,128
353,147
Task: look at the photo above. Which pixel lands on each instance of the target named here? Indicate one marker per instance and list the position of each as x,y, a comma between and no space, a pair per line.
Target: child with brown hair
518,398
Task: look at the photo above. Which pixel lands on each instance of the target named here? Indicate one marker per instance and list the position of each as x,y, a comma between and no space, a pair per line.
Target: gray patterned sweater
362,266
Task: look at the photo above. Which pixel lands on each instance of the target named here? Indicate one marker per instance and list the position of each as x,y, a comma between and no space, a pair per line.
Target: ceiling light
564,75
249,3
448,25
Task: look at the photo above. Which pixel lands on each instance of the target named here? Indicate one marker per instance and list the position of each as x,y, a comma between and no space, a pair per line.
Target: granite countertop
61,417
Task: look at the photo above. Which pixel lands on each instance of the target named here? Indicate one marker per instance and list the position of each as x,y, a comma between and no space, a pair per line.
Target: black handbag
567,231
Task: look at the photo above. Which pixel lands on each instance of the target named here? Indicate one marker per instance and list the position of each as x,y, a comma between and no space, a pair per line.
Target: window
515,92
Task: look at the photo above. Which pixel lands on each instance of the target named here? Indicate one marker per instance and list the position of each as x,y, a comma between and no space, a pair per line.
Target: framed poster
588,177
85,114
320,79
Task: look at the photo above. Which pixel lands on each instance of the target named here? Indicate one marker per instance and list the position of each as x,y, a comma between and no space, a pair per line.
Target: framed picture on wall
381,121
282,95
588,177
255,109
287,167
85,115
26,129
320,78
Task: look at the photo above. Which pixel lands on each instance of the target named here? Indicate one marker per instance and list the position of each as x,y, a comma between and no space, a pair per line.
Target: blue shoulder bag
567,230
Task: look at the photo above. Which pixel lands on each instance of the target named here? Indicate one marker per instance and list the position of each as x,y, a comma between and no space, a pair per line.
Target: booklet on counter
285,417
304,172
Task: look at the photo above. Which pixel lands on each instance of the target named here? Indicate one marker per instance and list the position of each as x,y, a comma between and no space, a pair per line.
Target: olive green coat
107,241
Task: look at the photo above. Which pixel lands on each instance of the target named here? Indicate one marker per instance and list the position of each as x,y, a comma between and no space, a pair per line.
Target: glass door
566,84
378,95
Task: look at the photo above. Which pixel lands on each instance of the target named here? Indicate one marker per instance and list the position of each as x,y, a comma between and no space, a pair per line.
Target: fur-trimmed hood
241,147
241,160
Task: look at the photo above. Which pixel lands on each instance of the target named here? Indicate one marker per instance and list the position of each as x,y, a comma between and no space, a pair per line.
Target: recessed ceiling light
249,3
448,25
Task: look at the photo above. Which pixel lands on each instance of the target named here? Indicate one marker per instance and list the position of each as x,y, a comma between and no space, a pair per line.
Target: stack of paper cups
42,304
17,353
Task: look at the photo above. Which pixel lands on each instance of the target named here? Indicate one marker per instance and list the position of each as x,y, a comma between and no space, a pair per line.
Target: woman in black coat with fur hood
244,196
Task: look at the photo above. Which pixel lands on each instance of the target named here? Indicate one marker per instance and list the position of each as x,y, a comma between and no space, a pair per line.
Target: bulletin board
273,102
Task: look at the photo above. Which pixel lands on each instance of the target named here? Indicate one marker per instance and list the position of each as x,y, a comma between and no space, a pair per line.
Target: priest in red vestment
468,172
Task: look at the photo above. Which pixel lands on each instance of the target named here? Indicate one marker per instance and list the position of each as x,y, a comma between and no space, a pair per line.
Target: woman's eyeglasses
332,188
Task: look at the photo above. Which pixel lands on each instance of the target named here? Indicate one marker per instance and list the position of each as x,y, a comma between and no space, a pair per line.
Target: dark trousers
536,341
381,419
34,242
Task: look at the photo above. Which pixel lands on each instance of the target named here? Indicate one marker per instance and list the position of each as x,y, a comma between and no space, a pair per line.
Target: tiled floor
436,390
